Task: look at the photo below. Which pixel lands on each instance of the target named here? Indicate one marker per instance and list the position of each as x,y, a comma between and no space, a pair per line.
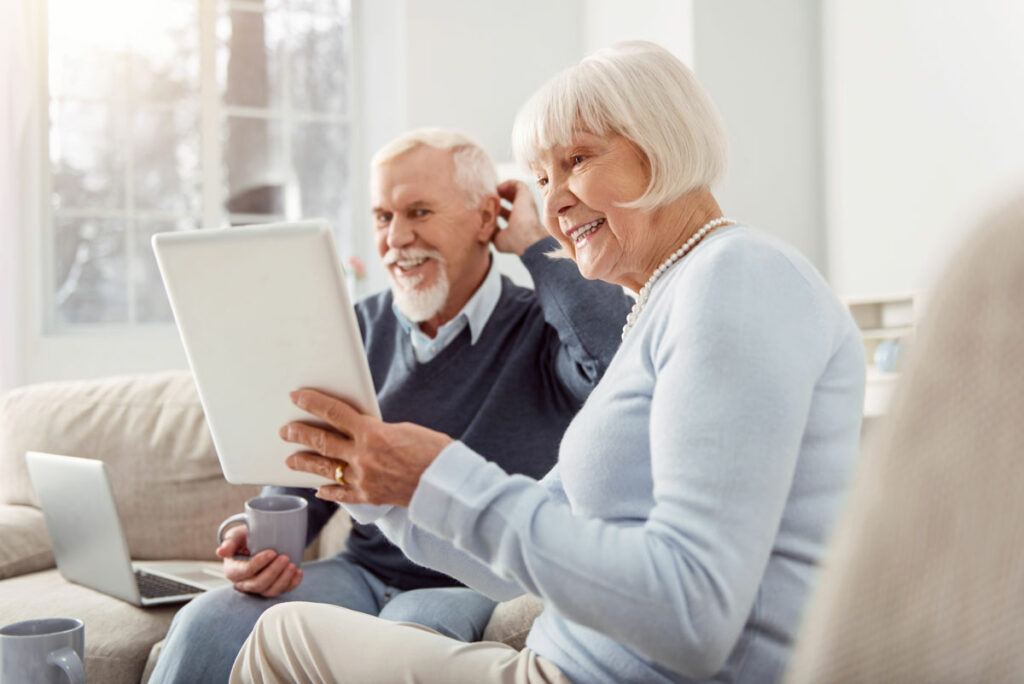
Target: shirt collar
477,310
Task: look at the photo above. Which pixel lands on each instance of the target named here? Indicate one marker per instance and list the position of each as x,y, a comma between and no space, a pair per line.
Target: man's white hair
475,173
643,92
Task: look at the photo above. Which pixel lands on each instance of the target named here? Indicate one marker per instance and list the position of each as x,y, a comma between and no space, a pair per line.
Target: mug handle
67,659
236,518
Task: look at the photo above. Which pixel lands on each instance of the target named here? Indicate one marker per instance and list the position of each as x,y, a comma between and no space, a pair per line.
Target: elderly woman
679,533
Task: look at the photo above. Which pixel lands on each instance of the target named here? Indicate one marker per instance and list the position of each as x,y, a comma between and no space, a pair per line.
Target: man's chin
419,302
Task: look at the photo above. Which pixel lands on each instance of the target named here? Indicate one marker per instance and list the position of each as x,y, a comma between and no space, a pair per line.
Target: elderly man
454,346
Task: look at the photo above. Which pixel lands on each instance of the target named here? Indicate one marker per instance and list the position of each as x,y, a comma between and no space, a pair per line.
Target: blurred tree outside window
181,114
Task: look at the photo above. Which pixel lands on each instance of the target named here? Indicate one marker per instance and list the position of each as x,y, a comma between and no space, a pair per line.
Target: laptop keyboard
154,586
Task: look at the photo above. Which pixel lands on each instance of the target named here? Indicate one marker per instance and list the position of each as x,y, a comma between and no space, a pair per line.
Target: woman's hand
381,462
524,227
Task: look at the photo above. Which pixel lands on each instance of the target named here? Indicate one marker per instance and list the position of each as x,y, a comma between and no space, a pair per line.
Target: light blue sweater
678,536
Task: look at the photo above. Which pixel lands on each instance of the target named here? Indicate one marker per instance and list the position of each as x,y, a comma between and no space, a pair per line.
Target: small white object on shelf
887,328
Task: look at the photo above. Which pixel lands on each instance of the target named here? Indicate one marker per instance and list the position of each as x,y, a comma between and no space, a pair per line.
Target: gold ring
339,475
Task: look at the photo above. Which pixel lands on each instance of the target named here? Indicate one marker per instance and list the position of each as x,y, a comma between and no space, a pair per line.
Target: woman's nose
558,200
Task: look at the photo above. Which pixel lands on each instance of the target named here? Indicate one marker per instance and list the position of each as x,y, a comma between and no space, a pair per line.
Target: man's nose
400,234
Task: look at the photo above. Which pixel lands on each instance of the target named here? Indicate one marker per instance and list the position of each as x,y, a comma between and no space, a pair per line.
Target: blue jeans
209,631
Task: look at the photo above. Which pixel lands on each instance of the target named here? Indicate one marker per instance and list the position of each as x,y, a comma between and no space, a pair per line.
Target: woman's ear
488,210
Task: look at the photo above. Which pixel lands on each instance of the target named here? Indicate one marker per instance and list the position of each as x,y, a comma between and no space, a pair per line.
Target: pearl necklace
645,291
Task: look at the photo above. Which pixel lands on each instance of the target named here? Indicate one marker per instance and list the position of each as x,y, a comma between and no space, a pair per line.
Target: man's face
433,244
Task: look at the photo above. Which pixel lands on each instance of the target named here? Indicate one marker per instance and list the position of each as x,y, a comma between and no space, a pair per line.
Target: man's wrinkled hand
266,574
523,227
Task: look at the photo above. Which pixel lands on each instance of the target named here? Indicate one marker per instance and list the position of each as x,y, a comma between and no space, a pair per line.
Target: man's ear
488,210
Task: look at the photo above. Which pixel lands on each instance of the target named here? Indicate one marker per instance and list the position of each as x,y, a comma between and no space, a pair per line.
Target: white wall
760,62
666,22
924,128
459,64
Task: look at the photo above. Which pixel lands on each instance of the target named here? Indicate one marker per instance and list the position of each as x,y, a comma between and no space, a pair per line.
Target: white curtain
15,104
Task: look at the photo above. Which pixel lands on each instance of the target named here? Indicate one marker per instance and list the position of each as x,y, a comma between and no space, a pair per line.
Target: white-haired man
454,346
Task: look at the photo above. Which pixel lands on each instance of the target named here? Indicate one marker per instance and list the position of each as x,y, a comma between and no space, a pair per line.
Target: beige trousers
315,642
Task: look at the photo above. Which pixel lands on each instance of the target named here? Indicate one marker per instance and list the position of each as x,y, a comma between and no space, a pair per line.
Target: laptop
262,311
89,542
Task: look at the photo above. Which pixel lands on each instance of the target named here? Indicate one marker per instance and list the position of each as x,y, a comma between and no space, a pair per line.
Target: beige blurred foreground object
925,577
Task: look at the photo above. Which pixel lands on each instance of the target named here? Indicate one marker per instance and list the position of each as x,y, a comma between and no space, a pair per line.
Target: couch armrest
26,543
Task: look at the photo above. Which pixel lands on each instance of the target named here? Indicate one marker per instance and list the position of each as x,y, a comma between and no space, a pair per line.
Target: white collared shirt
475,313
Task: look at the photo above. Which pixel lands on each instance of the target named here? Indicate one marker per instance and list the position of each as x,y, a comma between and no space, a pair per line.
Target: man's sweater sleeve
585,317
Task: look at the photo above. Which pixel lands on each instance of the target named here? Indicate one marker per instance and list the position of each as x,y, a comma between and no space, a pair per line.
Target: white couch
151,432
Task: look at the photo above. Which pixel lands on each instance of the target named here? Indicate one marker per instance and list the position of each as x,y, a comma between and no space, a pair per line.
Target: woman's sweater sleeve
736,363
441,554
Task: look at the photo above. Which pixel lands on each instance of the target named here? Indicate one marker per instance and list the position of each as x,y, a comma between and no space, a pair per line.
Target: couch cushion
151,432
118,635
26,544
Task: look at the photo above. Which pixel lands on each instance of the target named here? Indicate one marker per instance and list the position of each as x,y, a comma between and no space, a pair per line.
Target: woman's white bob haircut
475,172
643,92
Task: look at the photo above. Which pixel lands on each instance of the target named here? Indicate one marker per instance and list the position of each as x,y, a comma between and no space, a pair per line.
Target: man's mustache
395,255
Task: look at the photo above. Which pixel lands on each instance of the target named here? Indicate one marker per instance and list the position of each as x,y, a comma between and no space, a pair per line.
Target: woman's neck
676,222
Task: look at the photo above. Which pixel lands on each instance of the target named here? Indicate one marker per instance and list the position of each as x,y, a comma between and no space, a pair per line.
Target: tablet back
263,310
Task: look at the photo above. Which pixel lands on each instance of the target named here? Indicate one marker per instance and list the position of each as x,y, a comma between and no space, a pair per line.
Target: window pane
87,144
165,50
254,163
318,67
320,158
166,166
87,51
90,283
327,7
249,60
151,305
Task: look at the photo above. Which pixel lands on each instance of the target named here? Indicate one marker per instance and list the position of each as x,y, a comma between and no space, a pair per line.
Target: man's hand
381,462
266,574
524,227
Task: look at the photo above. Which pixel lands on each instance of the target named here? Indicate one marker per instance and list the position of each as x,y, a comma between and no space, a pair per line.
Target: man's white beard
418,304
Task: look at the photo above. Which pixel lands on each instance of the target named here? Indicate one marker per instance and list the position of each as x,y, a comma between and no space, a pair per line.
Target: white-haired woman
678,536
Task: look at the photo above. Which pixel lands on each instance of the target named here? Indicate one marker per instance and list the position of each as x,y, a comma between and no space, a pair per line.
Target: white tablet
262,311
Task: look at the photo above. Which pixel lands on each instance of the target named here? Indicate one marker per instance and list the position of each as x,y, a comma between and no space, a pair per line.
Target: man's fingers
283,583
235,539
266,578
243,570
332,410
310,462
507,189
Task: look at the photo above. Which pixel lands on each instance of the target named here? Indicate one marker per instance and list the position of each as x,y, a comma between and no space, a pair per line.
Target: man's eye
577,159
383,219
420,213
541,182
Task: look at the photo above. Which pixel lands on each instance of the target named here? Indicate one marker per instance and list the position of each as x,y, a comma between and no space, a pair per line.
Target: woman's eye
577,159
541,182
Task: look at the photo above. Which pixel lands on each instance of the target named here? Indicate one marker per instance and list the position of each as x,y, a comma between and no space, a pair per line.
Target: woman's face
582,184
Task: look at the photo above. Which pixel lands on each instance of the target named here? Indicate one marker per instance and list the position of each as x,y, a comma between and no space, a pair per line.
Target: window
182,114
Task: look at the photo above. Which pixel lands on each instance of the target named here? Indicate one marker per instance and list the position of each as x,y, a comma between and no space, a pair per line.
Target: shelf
887,333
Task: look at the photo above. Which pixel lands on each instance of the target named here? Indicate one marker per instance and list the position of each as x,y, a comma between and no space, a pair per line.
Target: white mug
43,651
